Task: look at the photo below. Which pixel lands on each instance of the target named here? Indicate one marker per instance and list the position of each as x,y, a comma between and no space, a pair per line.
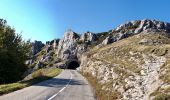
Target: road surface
69,85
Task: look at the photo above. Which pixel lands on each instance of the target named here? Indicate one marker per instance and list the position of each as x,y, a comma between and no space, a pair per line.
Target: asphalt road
69,85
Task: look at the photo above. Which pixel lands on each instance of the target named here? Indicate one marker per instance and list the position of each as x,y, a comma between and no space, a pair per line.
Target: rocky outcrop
88,37
141,86
139,26
54,43
67,48
72,45
109,40
136,27
36,47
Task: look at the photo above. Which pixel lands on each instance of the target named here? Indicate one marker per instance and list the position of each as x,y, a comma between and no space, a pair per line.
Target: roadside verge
38,76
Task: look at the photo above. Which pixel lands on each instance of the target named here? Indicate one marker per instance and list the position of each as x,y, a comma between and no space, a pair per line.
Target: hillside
131,61
136,67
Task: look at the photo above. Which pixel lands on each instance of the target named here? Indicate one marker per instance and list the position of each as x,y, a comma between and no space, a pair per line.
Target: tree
13,54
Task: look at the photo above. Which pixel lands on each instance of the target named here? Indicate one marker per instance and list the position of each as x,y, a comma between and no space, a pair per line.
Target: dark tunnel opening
73,65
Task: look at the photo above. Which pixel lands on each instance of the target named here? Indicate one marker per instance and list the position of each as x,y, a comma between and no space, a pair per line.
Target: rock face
67,48
142,25
88,37
109,40
72,44
36,47
70,47
147,82
136,27
54,43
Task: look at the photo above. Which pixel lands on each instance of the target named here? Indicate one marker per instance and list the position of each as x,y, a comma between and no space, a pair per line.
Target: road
69,85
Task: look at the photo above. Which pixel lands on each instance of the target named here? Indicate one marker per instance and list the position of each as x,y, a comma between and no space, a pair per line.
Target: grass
127,55
165,77
100,93
38,76
160,96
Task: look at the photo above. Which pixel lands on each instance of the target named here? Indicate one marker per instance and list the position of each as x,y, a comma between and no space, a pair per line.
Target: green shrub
42,52
137,23
47,74
13,54
51,64
79,42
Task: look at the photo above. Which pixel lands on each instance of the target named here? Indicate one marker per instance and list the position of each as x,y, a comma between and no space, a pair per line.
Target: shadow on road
57,82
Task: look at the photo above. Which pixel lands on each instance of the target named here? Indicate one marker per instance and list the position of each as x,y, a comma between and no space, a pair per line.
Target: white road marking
62,88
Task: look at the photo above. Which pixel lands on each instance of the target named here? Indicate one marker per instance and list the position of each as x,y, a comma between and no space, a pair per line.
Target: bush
101,36
137,23
37,74
13,54
51,65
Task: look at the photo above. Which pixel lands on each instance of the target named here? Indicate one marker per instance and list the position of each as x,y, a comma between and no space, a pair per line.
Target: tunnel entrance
73,64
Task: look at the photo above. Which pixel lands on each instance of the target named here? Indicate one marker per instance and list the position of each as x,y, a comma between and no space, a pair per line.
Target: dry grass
100,93
38,76
160,96
118,53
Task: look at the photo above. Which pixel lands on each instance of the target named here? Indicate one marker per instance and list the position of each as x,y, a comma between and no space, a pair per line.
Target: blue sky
48,19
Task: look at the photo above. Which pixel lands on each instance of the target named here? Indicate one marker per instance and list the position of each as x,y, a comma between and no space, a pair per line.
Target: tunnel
73,64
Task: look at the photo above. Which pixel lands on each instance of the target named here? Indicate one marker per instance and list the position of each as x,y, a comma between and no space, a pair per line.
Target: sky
45,20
